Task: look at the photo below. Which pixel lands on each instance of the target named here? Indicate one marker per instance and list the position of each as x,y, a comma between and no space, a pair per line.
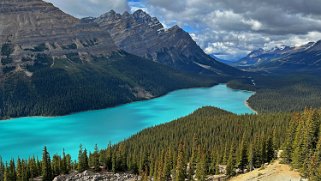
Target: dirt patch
272,172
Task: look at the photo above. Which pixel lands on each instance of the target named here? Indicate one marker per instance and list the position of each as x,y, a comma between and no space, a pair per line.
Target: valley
51,67
110,125
160,90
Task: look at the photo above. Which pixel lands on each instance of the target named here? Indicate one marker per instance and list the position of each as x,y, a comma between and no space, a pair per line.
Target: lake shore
113,125
248,105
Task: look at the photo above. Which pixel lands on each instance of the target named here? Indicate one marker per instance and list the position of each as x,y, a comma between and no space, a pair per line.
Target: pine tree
180,164
63,163
46,166
96,163
19,170
10,172
109,157
25,171
168,165
201,167
85,158
114,163
159,168
212,162
297,156
263,150
192,159
270,150
33,169
6,176
231,162
242,158
225,155
56,165
290,135
69,164
311,131
251,157
82,160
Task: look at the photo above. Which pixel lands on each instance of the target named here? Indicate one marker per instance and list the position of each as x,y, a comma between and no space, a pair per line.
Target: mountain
305,58
55,64
144,36
32,30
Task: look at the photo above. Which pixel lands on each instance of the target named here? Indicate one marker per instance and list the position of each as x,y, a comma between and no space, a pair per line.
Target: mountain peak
143,35
109,15
139,17
142,17
140,12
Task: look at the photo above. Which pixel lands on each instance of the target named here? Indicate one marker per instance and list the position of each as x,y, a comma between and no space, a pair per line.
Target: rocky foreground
91,176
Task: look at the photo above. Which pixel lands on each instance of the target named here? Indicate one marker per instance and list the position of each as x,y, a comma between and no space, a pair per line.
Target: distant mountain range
53,63
286,59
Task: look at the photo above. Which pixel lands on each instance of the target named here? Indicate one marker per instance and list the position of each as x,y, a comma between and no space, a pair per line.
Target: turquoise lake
25,137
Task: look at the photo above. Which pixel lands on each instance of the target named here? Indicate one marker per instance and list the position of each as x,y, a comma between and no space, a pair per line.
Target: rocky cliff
32,27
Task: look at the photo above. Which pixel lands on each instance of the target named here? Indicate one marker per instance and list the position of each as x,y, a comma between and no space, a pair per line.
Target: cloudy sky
227,28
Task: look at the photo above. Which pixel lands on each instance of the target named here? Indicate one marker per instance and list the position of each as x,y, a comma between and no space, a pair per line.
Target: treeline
282,93
47,168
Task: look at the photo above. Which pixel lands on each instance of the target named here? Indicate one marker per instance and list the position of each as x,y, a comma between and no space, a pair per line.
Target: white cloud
223,27
227,27
94,8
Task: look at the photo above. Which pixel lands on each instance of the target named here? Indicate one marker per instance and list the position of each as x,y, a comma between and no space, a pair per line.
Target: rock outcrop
90,176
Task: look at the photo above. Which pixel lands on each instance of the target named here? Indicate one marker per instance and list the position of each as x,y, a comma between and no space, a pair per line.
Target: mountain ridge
142,35
286,59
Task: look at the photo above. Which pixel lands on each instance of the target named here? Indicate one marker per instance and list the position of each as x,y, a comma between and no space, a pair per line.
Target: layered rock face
32,27
145,36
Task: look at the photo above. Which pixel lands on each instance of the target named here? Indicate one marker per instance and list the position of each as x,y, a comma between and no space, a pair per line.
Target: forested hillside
59,87
285,93
302,147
